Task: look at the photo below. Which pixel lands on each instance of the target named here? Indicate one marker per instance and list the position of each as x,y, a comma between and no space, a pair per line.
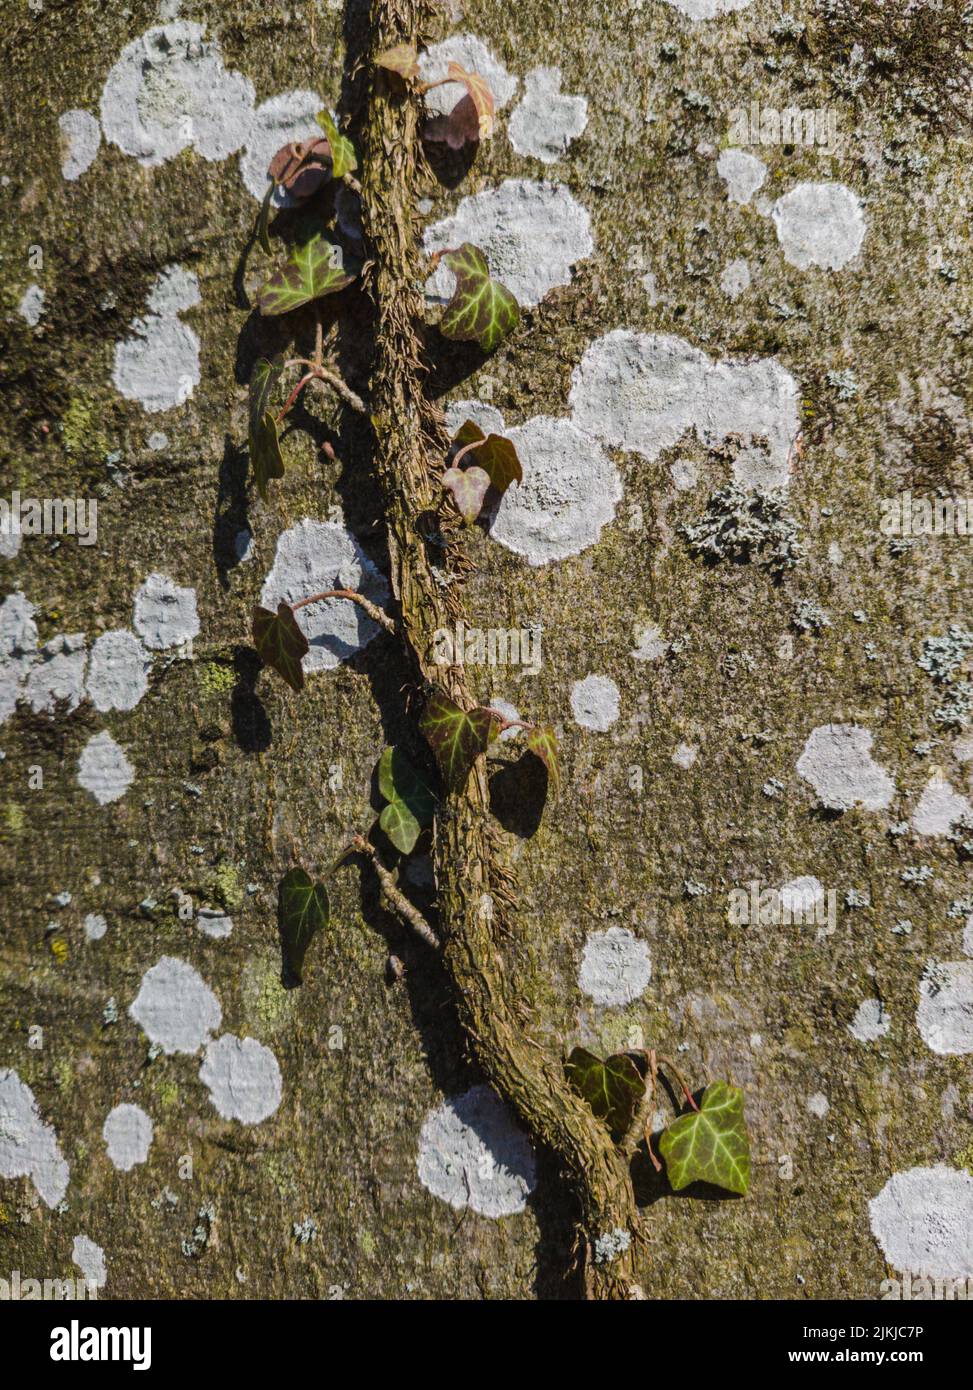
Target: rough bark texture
230,764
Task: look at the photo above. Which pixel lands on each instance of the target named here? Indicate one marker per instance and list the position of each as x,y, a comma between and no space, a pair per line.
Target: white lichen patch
214,923
280,121
945,1013
837,761
531,234
545,121
58,674
735,279
486,417
616,966
922,1220
104,770
168,91
175,1007
473,1153
80,142
164,615
939,807
871,1022
742,173
314,557
698,10
18,649
31,306
644,391
818,1104
570,491
595,703
650,644
158,366
28,1146
243,1079
127,1133
684,755
968,936
95,926
801,896
118,671
819,224
472,54
90,1259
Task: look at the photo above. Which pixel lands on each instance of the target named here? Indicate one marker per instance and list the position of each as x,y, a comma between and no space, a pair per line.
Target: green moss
14,817
81,432
964,1158
214,678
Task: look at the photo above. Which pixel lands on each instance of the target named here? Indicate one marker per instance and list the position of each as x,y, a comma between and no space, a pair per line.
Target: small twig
395,898
318,338
377,615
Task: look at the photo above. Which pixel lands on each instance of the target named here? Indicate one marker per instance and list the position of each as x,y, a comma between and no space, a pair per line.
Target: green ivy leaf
310,272
468,487
710,1145
265,456
410,802
263,218
457,737
343,157
481,309
302,909
280,643
542,742
612,1088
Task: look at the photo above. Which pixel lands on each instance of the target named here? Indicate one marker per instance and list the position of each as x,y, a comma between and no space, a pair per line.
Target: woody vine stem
592,1114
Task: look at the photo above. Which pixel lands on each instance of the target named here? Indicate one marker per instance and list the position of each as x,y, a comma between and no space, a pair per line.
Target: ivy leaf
280,643
311,270
343,156
498,458
468,486
612,1088
460,127
481,309
302,909
478,90
710,1145
302,167
457,737
401,59
263,218
265,456
542,742
410,802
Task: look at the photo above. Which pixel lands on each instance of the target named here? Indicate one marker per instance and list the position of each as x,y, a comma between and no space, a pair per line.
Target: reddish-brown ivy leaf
401,59
478,90
542,742
460,127
494,453
302,168
468,487
481,309
457,737
280,643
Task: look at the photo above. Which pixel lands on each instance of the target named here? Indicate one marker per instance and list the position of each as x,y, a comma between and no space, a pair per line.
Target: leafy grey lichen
745,526
809,616
609,1246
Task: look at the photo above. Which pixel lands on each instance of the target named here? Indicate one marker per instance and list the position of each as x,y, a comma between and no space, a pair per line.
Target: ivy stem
668,1062
294,395
318,372
377,615
395,898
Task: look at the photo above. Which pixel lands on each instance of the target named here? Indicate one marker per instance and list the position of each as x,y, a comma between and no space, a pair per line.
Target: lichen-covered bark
362,1061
